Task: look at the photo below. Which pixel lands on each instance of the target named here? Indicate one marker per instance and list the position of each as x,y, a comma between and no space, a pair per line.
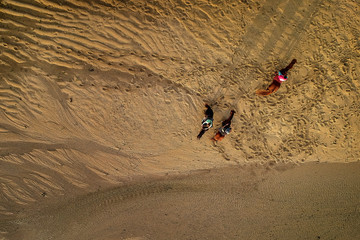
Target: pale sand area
96,94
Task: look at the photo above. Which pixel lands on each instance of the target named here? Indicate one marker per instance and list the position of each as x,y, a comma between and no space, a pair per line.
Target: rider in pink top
280,77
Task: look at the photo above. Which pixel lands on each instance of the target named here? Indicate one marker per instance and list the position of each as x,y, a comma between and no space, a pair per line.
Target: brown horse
225,129
207,122
280,77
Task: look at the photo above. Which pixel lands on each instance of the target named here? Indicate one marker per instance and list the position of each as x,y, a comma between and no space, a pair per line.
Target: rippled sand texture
94,93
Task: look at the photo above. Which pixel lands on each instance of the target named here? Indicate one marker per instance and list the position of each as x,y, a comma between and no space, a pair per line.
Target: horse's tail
201,133
218,137
261,92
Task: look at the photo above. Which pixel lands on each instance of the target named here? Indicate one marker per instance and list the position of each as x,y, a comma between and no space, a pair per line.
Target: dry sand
313,201
97,94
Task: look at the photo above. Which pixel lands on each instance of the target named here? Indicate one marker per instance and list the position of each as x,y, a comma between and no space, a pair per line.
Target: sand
311,201
95,95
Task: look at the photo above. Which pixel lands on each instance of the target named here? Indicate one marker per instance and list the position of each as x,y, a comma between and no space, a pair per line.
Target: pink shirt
280,78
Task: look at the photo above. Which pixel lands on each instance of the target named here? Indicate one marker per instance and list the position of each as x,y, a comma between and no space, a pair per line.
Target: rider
225,129
207,122
281,76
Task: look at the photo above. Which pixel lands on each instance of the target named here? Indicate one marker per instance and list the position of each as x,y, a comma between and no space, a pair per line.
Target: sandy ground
97,94
313,201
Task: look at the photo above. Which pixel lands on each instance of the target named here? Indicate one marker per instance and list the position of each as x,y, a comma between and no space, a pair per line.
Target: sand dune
94,94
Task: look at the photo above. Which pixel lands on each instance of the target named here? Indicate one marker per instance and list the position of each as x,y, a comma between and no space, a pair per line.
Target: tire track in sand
287,23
